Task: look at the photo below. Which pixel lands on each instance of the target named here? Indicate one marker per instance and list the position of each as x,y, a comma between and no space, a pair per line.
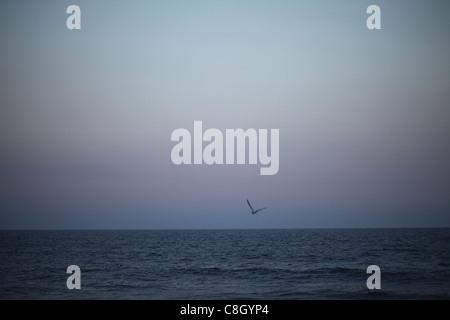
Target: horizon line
219,229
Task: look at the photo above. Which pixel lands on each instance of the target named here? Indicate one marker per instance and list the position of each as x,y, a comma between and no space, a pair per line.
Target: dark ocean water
226,264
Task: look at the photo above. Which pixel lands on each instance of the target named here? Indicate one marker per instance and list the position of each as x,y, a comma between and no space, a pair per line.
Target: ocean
280,264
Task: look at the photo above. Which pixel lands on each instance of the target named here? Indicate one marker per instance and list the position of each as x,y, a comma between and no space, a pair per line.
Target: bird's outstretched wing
250,205
260,209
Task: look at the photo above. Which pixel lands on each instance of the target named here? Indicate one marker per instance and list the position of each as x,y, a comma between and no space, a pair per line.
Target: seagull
253,210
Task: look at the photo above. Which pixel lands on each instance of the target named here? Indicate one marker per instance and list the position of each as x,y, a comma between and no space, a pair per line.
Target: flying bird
253,210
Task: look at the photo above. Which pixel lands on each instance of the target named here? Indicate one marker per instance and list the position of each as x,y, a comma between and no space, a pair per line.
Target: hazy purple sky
87,115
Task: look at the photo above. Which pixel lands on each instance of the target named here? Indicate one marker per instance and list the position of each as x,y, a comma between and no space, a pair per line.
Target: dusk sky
86,116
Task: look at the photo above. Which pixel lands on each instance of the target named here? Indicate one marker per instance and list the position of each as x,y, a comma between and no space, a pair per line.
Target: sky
86,116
